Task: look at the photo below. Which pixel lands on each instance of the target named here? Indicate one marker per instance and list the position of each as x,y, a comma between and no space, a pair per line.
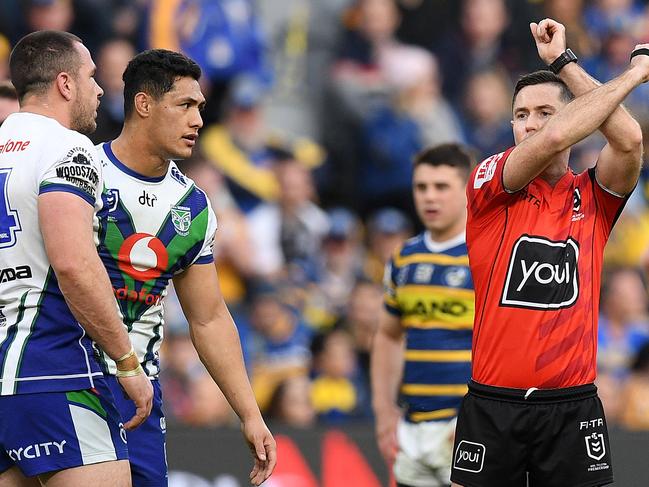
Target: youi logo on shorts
469,456
37,450
542,274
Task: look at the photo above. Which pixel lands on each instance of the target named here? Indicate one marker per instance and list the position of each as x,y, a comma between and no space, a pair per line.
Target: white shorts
425,453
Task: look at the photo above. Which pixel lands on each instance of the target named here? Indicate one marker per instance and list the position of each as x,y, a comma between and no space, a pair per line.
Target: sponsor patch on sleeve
486,170
76,168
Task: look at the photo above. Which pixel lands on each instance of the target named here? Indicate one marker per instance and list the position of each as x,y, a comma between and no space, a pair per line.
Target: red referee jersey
536,259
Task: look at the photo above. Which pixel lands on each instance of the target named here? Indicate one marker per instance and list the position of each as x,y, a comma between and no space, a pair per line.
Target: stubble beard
83,119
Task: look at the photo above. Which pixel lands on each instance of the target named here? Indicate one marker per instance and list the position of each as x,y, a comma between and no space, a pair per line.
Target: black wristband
565,58
637,52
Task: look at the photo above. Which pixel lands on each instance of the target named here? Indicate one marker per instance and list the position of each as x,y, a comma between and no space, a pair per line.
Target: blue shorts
49,431
146,443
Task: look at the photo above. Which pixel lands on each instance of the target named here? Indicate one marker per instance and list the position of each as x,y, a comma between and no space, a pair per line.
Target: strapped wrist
130,373
126,356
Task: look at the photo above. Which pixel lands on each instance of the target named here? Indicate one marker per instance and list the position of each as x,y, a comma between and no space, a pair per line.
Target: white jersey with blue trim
42,346
149,229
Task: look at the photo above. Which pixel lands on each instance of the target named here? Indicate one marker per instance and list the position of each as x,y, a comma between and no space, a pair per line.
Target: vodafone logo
143,257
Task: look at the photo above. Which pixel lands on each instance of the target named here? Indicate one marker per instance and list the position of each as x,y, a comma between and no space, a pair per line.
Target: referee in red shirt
536,234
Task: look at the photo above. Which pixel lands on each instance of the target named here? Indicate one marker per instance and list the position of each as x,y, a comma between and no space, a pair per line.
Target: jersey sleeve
390,289
485,191
609,204
76,169
206,254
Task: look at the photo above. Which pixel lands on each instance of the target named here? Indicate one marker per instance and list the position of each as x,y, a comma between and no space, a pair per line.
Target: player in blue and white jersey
156,226
429,304
58,422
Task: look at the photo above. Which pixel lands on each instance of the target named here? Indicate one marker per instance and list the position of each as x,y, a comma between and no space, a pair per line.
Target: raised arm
572,123
618,166
66,225
217,342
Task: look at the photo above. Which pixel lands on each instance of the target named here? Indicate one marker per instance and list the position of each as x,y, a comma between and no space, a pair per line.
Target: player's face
176,119
440,198
533,107
84,107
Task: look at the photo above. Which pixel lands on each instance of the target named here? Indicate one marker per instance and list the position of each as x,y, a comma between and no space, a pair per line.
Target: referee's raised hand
550,38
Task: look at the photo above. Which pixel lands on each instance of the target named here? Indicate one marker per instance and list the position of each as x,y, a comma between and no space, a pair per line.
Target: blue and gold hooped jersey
428,286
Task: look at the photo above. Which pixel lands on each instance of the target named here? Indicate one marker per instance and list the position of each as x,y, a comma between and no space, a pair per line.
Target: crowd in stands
315,111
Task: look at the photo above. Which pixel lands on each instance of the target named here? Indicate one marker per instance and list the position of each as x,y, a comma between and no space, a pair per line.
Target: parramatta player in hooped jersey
58,423
536,234
156,225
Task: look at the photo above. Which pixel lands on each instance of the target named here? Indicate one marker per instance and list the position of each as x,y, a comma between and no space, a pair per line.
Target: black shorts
556,438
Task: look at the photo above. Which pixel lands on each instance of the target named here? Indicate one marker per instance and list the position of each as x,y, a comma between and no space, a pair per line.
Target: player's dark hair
454,155
39,57
541,77
154,72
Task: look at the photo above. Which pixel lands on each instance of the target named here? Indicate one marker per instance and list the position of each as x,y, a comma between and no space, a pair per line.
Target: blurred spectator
361,320
357,82
223,37
302,37
387,229
612,60
337,393
634,399
624,320
415,117
570,14
238,147
282,342
112,60
424,23
487,112
8,100
5,49
286,235
49,14
479,43
232,244
603,16
190,393
89,19
339,265
244,151
291,403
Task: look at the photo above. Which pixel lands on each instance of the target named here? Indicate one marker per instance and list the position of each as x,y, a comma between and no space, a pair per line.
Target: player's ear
63,83
142,102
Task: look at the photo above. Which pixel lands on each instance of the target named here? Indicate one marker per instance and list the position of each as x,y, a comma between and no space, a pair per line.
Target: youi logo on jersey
542,274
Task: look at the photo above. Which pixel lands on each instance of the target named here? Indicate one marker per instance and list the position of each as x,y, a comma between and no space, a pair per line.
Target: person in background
536,233
428,305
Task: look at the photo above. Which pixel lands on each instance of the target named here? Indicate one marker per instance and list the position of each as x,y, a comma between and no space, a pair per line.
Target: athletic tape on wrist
130,373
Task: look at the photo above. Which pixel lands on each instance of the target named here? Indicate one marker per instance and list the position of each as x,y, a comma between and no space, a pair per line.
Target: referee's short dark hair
39,57
541,77
154,72
454,155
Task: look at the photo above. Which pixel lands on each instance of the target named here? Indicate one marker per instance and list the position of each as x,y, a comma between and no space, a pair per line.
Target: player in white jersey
56,411
156,225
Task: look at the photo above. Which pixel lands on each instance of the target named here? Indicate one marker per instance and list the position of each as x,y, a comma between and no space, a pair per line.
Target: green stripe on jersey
88,399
